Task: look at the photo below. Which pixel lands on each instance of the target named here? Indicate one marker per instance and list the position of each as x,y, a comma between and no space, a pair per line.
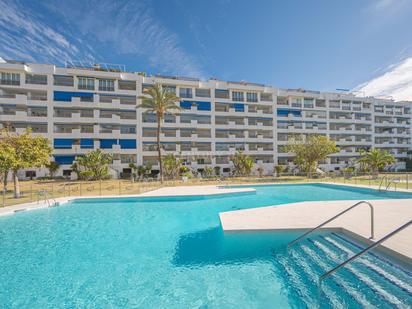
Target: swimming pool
170,253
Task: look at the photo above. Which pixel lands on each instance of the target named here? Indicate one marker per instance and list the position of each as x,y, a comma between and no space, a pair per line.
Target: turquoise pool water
154,253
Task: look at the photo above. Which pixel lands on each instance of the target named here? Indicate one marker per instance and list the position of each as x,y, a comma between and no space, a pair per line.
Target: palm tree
160,101
376,159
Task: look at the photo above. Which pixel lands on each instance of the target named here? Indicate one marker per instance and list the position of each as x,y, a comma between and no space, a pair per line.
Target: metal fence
30,191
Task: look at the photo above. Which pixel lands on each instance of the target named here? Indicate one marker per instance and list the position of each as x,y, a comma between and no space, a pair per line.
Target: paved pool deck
389,214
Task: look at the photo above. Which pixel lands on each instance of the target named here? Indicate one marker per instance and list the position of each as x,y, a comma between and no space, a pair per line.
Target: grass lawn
59,188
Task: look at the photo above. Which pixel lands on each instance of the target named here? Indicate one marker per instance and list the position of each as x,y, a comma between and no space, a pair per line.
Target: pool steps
371,281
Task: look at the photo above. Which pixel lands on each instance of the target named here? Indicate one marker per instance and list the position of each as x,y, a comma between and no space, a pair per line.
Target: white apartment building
81,108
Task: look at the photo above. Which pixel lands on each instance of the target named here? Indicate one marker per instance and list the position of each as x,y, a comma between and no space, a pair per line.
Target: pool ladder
44,195
361,253
389,181
333,218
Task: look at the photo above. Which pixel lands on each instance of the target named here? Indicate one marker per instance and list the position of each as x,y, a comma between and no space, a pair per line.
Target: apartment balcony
13,99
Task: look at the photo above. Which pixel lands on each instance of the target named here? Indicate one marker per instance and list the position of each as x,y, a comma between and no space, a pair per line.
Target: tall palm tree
160,101
376,159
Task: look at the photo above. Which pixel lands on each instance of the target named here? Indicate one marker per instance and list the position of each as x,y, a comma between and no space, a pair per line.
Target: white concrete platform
389,214
195,190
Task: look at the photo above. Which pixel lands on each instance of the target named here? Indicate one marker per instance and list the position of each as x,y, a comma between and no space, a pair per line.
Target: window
308,103
169,88
106,84
185,92
145,87
222,94
30,174
296,102
204,93
266,97
320,103
63,80
251,97
36,79
86,83
10,79
237,96
127,84
67,173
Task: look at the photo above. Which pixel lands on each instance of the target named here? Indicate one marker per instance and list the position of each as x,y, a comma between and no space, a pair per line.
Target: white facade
79,109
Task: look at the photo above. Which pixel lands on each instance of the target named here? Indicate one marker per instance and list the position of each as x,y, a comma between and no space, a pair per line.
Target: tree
94,165
260,171
279,169
26,151
376,159
160,101
207,172
133,167
242,164
310,150
53,167
6,158
171,167
140,171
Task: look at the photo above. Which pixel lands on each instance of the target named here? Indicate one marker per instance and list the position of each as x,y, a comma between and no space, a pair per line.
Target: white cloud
396,82
130,28
25,36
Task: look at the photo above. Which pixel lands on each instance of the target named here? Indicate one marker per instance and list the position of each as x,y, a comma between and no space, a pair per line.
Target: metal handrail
46,198
330,272
383,178
392,181
333,218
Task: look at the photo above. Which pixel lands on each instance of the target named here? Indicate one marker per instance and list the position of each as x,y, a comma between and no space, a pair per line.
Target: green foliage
94,165
21,151
376,159
310,150
53,167
348,171
183,169
207,172
159,101
217,170
140,171
279,169
242,164
171,166
6,157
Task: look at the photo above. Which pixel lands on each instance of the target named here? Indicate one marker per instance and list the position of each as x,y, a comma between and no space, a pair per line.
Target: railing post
31,192
100,187
4,197
80,188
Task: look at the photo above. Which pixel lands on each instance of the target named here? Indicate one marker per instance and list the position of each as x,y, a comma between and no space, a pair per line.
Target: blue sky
319,45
